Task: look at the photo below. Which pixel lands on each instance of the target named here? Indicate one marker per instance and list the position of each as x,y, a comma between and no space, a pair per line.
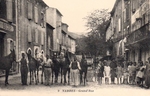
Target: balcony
140,35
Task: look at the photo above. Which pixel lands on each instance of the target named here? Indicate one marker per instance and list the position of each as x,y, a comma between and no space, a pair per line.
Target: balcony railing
139,35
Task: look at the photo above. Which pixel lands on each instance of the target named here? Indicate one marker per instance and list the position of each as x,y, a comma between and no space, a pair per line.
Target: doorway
1,44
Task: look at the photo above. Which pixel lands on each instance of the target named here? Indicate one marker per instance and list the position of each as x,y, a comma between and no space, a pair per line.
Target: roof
50,26
63,32
64,24
71,37
108,24
57,11
42,3
115,5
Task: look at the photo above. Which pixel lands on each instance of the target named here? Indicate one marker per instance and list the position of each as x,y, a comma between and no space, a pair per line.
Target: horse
6,64
55,68
33,68
84,67
64,61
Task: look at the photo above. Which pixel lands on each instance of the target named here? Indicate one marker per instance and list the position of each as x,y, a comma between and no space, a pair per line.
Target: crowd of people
133,73
47,64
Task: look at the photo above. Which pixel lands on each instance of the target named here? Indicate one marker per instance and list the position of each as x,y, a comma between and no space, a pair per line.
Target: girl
107,73
119,74
125,76
100,72
140,74
147,74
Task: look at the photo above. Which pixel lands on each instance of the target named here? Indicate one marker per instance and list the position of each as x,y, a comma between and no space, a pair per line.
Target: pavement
92,88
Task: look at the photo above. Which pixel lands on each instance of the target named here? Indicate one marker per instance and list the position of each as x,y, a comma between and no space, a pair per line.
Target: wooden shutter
36,14
29,34
42,19
119,24
9,10
36,36
30,9
42,38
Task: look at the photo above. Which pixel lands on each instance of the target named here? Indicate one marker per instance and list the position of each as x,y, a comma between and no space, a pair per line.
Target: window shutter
29,5
119,24
42,19
36,14
49,42
36,36
125,14
29,34
42,38
9,10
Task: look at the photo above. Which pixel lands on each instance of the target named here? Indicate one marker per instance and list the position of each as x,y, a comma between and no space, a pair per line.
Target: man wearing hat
47,70
75,67
24,68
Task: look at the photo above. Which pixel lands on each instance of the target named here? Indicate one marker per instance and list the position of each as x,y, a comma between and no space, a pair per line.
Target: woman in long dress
107,73
147,74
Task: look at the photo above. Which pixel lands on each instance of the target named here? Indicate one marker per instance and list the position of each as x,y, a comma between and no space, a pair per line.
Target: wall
32,31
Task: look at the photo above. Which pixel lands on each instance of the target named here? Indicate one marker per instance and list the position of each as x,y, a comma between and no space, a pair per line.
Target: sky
74,11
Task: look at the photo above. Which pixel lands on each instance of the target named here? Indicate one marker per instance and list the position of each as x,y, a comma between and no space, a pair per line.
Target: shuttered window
42,19
42,38
36,36
9,10
49,42
30,9
36,14
125,14
29,34
119,24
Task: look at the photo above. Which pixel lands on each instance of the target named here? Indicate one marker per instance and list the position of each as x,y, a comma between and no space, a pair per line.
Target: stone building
131,29
54,18
7,29
138,40
7,26
31,26
116,23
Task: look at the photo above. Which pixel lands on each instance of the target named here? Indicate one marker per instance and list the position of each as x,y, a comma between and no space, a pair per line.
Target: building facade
64,36
7,29
131,29
7,26
117,20
31,32
54,17
138,39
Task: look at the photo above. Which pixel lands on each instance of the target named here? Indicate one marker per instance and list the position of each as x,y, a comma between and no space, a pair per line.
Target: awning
107,57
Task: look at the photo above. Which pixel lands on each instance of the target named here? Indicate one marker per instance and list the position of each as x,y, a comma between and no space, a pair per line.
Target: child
130,67
125,76
100,73
133,72
140,74
119,74
107,73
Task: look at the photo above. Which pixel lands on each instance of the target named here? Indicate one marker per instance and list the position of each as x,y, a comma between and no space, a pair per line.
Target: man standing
47,70
24,68
113,67
75,67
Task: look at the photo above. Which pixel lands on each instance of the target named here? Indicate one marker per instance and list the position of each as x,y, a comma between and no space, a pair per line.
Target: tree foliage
96,18
96,23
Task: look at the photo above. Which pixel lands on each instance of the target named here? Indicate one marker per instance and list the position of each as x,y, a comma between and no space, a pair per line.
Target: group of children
124,72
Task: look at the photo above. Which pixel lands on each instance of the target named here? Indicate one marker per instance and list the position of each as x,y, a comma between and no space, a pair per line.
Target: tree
96,23
81,45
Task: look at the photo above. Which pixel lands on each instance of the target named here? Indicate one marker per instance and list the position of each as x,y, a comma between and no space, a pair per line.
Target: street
17,89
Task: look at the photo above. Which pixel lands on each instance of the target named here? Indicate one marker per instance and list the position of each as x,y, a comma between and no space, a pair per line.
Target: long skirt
147,79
